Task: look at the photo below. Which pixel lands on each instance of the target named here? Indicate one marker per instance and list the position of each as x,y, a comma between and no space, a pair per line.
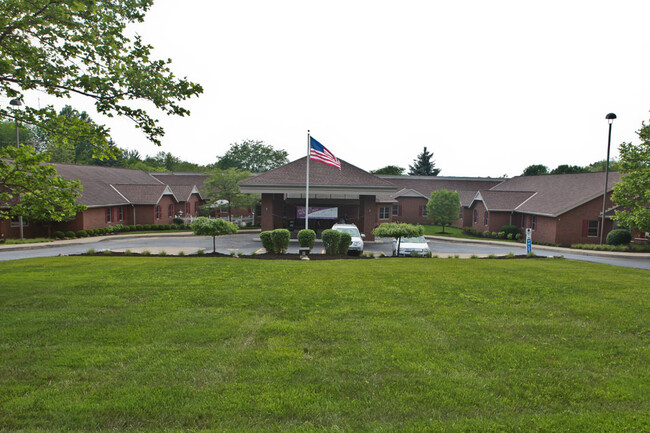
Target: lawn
206,344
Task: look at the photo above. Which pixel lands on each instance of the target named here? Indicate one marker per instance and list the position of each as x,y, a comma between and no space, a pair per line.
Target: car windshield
418,240
352,231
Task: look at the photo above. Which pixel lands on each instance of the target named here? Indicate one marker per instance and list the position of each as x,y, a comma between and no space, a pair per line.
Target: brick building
118,196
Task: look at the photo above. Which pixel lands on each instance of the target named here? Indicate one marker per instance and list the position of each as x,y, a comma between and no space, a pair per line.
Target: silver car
357,238
412,246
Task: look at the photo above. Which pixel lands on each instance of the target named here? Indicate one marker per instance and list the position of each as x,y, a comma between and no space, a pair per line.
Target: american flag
318,152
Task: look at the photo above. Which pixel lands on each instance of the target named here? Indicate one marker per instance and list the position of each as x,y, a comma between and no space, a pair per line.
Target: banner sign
529,241
318,213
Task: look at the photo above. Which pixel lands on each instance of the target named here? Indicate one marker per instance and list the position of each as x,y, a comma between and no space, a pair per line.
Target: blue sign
529,246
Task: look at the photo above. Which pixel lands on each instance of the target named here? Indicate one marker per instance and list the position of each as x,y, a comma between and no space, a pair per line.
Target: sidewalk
561,250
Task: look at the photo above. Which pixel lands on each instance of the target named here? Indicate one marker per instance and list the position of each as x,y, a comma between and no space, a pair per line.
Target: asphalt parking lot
249,243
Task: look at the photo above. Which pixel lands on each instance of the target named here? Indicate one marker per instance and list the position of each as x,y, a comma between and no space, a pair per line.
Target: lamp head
610,118
16,102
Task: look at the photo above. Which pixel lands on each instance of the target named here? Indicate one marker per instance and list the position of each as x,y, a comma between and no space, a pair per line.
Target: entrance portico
335,195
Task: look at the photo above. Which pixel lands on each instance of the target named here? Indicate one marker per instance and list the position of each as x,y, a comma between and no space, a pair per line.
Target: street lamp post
17,103
610,119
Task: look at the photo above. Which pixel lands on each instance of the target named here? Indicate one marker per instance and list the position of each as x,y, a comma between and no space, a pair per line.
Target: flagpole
307,183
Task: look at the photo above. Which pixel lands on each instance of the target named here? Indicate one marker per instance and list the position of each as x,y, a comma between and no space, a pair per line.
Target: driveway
248,243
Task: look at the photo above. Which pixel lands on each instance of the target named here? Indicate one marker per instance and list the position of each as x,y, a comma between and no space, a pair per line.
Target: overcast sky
489,87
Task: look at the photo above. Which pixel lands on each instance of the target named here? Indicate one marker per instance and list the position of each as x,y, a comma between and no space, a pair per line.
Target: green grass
27,241
399,345
450,231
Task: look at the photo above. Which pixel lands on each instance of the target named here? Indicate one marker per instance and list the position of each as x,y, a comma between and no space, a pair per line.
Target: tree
253,156
443,207
569,169
224,185
397,231
632,193
79,47
535,170
33,189
599,166
8,134
390,170
423,165
213,227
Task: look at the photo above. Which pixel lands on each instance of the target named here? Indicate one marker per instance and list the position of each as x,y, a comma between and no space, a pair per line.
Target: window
475,216
170,211
485,218
423,210
157,212
523,221
109,214
592,230
533,222
187,208
121,213
384,213
396,210
196,207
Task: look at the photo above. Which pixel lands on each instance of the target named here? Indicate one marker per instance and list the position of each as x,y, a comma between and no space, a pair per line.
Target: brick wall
570,224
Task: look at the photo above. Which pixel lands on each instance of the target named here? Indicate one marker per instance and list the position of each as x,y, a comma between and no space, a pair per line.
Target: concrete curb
83,241
543,247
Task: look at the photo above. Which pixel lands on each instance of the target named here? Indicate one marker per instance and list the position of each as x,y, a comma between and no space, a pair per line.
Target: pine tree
423,165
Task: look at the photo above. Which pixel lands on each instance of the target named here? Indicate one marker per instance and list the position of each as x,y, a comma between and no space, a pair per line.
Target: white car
357,238
412,246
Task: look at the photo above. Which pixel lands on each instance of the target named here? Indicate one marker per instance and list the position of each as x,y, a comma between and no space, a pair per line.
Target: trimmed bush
509,236
486,234
178,221
70,234
502,235
519,236
132,228
139,227
82,234
280,239
619,237
267,242
344,243
494,235
331,240
146,227
59,235
510,229
306,238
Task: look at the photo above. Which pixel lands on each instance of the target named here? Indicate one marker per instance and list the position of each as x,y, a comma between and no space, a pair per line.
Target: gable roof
97,181
144,194
291,178
556,194
184,184
423,186
502,200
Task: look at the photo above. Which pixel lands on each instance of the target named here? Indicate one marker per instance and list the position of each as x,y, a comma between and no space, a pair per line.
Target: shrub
267,242
59,235
280,239
513,229
502,235
132,228
82,234
146,227
70,234
91,251
619,237
117,228
486,234
509,236
139,227
494,235
306,238
344,243
178,221
331,240
519,236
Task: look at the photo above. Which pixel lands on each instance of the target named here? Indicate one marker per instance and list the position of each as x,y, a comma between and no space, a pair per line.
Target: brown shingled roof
143,194
96,182
503,200
558,193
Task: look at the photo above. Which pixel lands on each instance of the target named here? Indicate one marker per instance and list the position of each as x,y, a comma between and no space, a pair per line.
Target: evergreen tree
423,165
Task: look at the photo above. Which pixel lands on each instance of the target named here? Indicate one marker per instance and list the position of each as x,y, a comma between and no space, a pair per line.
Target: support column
367,215
267,212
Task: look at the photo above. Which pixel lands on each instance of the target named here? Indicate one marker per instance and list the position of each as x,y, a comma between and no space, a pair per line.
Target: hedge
331,239
306,238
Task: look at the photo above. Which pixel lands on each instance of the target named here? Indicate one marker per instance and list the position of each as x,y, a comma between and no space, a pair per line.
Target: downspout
133,206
